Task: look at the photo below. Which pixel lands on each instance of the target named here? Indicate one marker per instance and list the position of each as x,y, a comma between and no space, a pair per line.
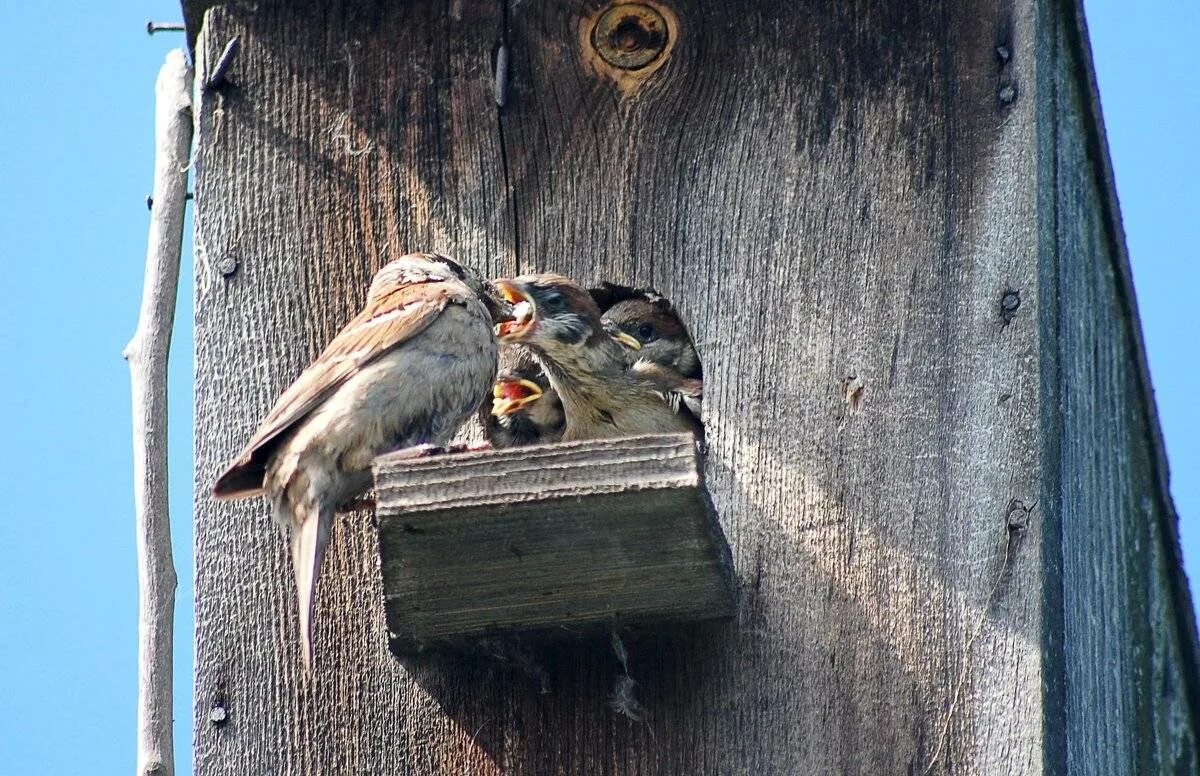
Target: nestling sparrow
658,347
525,409
649,321
407,370
560,322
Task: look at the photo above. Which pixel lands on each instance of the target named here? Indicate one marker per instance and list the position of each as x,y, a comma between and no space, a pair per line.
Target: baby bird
601,397
661,338
525,409
407,370
658,347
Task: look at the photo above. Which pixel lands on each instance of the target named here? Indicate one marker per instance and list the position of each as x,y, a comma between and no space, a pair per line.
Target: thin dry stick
1011,537
147,355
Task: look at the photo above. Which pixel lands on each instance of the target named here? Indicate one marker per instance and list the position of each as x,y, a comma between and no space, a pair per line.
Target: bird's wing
385,323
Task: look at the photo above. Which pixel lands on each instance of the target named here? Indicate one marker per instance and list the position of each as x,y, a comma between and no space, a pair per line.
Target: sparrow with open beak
525,409
407,370
657,347
601,397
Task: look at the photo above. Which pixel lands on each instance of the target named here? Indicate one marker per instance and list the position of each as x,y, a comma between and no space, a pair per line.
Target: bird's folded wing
386,322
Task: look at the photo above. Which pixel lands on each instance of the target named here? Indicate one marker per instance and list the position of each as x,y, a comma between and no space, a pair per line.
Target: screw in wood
154,27
217,79
227,265
630,36
1010,301
218,715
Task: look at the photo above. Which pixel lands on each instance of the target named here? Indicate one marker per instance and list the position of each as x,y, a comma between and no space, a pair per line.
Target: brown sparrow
525,409
407,370
651,322
560,322
658,347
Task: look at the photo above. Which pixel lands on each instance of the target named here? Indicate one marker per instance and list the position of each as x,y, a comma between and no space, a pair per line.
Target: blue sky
75,168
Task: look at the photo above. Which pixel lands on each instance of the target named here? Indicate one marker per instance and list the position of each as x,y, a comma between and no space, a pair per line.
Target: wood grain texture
562,539
847,201
1128,690
346,136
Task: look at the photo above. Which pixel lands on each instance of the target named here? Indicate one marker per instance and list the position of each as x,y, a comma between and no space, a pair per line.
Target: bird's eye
646,332
554,302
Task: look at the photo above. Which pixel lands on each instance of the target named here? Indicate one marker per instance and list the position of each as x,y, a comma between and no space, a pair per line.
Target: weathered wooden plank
849,211
348,135
1125,646
853,206
560,538
837,198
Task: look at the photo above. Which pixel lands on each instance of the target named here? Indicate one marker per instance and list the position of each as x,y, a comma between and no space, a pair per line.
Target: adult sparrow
407,370
525,409
560,322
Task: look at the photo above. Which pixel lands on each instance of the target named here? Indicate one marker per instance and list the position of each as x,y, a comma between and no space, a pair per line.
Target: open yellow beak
510,396
523,311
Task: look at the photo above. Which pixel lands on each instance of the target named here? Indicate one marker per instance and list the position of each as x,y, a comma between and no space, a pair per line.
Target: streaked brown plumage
559,321
407,370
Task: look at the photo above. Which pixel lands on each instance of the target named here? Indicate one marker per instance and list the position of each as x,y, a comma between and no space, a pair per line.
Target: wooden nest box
561,538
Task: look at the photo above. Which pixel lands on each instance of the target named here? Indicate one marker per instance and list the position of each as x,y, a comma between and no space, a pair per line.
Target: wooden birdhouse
930,439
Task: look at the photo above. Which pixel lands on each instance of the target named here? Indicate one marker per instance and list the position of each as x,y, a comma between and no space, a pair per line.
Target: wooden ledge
561,537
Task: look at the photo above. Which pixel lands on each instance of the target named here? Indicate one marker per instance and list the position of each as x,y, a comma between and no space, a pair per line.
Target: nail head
227,265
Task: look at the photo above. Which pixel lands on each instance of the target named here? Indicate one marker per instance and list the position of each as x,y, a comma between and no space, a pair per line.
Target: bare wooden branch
565,537
147,354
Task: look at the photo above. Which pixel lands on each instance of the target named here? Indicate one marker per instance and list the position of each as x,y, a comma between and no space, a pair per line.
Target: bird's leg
468,447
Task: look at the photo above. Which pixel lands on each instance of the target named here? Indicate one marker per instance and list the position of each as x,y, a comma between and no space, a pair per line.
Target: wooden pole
927,439
147,354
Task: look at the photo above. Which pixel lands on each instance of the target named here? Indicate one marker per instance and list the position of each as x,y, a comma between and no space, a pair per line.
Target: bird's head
515,391
550,313
651,331
525,408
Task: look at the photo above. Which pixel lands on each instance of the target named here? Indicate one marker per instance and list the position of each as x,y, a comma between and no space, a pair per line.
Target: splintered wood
564,537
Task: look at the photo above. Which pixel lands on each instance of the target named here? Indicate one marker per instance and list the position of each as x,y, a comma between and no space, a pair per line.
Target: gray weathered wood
563,538
1122,598
148,353
854,207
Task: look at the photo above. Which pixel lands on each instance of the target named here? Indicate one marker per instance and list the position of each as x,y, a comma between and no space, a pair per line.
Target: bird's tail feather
310,537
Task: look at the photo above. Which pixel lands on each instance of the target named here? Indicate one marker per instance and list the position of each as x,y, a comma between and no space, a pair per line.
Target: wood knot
629,41
630,35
